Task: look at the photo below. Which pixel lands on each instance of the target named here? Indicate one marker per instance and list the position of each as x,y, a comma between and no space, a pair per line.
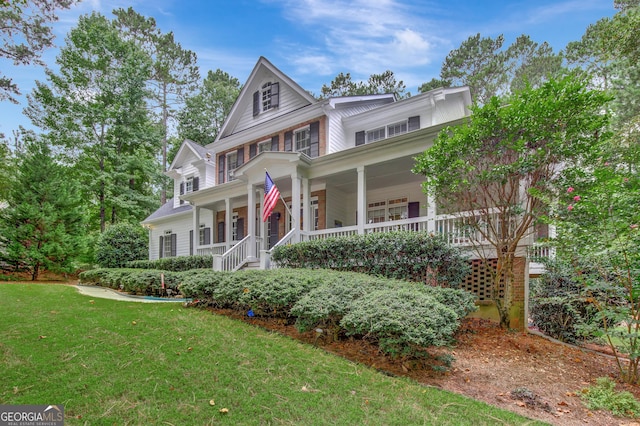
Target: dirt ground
490,364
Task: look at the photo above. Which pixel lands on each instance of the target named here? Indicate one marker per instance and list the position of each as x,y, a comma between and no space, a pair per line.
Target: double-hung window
232,164
266,96
264,146
188,186
303,141
382,211
397,129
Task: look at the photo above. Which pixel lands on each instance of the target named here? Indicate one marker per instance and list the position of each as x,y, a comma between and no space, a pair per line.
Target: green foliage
413,256
43,223
343,85
558,306
402,321
176,264
603,396
147,282
120,244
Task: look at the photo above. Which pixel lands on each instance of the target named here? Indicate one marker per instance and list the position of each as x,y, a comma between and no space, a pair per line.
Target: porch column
196,229
251,217
306,206
228,225
263,225
431,214
295,205
362,199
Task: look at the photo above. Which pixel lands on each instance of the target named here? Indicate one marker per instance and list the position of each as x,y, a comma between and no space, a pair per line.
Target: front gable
267,94
188,153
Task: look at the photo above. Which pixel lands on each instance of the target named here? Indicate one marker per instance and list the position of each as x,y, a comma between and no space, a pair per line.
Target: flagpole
283,202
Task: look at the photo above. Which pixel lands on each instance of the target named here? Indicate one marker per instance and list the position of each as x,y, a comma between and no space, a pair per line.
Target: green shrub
120,244
146,282
412,256
402,321
603,396
176,264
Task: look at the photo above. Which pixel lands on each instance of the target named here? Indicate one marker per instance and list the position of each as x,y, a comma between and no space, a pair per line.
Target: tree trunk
163,196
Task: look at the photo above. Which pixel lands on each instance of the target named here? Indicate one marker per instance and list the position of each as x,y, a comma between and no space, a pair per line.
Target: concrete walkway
107,293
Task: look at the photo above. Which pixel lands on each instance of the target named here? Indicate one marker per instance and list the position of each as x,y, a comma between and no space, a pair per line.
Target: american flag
271,195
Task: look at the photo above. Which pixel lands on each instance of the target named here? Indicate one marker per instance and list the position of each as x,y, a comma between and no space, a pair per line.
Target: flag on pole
271,195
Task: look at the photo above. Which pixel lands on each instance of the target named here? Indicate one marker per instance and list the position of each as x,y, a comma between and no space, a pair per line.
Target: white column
431,214
196,229
295,205
362,199
251,217
306,205
228,222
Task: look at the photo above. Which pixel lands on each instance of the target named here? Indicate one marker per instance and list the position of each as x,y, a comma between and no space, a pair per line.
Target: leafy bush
120,244
558,307
402,321
146,282
603,396
412,256
176,264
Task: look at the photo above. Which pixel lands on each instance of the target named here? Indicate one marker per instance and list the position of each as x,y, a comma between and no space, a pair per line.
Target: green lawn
114,363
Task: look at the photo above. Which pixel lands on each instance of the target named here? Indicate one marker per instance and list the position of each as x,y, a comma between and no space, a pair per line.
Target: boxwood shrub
412,256
147,282
176,264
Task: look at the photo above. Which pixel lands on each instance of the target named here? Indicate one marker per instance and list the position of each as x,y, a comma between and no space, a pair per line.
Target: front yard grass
112,362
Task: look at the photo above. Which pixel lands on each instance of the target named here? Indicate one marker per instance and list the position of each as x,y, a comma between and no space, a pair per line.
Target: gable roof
188,146
167,209
244,102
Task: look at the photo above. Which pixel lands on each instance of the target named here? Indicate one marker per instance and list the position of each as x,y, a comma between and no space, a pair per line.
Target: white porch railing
328,233
211,249
234,258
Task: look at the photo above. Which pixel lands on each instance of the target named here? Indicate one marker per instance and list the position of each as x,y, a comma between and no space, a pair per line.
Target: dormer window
266,98
189,185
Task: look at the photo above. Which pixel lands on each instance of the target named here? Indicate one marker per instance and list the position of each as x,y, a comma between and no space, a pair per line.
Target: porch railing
234,258
212,249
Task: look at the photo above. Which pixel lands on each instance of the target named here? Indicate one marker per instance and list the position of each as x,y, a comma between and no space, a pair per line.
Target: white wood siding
338,208
179,225
337,138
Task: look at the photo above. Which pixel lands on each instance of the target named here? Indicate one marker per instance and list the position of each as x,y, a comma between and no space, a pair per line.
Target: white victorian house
346,160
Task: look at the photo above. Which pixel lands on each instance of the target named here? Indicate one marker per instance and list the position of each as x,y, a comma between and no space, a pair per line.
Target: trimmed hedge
147,282
176,264
414,256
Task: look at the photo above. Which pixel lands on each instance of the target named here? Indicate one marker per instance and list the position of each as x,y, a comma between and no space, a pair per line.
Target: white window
167,248
232,164
313,205
188,185
266,96
376,212
234,227
397,129
398,208
382,211
375,135
303,141
264,146
201,235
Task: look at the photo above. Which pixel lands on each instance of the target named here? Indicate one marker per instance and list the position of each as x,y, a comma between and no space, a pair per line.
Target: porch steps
255,264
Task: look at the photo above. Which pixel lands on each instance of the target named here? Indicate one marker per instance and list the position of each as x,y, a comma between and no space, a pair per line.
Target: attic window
397,128
266,98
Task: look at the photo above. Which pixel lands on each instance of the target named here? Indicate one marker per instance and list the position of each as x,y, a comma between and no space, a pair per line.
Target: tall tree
25,34
204,113
343,85
174,71
497,171
43,222
95,110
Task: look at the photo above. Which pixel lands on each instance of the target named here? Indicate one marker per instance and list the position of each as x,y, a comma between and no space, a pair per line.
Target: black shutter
240,157
414,123
240,229
256,103
161,247
360,138
207,236
181,188
221,159
196,183
275,95
414,209
274,143
314,139
288,141
221,232
253,149
191,243
174,245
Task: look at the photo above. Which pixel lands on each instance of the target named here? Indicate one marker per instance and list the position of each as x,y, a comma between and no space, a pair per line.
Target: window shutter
181,188
288,141
314,139
240,229
196,183
191,243
174,244
256,103
221,232
207,236
360,138
221,159
275,95
253,148
160,247
240,157
414,123
274,143
414,209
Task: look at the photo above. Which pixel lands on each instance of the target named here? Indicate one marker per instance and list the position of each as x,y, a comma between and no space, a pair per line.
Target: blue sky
314,40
